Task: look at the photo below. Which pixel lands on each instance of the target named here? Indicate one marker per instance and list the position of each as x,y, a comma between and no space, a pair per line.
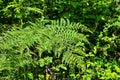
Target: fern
58,37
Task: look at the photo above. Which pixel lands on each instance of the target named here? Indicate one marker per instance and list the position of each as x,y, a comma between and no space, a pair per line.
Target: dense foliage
59,40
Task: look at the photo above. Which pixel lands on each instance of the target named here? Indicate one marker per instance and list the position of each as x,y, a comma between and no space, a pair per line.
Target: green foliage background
59,39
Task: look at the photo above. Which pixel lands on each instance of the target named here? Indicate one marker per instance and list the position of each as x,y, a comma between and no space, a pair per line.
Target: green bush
58,49
68,39
19,11
55,39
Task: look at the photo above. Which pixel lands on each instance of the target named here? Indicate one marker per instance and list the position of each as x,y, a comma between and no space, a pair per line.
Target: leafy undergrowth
62,50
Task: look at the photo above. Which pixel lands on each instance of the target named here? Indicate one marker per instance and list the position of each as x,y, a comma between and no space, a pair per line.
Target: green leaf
62,67
117,69
73,75
30,75
42,62
57,69
18,15
48,60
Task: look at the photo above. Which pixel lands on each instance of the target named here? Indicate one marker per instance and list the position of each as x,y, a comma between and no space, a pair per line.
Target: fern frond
33,9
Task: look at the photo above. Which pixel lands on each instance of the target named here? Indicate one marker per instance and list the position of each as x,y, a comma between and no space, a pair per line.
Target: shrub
58,49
